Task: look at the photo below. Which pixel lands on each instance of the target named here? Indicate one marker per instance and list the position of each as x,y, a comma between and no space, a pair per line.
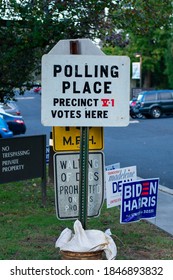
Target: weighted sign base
68,255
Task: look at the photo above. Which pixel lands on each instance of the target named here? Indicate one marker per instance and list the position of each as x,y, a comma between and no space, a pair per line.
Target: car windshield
139,97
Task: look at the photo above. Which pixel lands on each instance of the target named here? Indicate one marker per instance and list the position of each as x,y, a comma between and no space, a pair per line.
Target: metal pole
140,63
141,71
83,165
43,179
83,179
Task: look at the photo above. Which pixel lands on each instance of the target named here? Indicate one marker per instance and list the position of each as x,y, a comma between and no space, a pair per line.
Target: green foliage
30,28
169,62
146,27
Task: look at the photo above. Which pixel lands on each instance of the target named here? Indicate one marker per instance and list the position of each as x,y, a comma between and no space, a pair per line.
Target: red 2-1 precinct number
133,270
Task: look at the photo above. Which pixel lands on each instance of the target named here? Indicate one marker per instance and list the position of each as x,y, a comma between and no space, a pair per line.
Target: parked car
37,90
134,109
4,129
133,101
10,107
154,103
15,123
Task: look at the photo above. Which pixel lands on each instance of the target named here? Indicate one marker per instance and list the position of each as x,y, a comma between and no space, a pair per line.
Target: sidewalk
164,217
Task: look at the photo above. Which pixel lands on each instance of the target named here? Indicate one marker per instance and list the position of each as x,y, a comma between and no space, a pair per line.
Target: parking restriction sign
68,138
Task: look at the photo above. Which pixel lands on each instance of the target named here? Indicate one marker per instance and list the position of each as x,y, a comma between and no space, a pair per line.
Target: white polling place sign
79,90
139,200
114,181
66,172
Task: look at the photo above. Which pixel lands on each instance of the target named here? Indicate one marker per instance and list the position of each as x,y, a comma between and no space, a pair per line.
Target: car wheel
156,113
139,116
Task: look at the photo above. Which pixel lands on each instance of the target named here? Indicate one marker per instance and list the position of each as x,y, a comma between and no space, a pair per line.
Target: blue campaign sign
139,200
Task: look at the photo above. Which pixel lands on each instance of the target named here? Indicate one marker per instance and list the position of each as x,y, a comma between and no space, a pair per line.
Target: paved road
30,106
146,143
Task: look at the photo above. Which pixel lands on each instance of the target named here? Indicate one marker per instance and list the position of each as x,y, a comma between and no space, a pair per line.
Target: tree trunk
147,80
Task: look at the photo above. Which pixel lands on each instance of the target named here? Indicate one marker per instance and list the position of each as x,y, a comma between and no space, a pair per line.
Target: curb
165,189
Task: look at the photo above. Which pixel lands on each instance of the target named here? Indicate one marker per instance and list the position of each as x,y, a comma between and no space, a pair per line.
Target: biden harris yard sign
85,90
139,200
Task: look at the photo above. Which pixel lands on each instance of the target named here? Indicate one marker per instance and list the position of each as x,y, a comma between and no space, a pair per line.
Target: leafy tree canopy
143,27
30,28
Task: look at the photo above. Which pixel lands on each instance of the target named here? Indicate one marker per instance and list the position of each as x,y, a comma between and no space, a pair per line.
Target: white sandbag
86,241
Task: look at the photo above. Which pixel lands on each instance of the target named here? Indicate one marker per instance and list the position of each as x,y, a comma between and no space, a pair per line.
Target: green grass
29,231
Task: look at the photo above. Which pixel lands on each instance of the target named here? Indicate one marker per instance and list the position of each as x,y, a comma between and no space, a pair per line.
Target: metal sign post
83,181
84,92
83,170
